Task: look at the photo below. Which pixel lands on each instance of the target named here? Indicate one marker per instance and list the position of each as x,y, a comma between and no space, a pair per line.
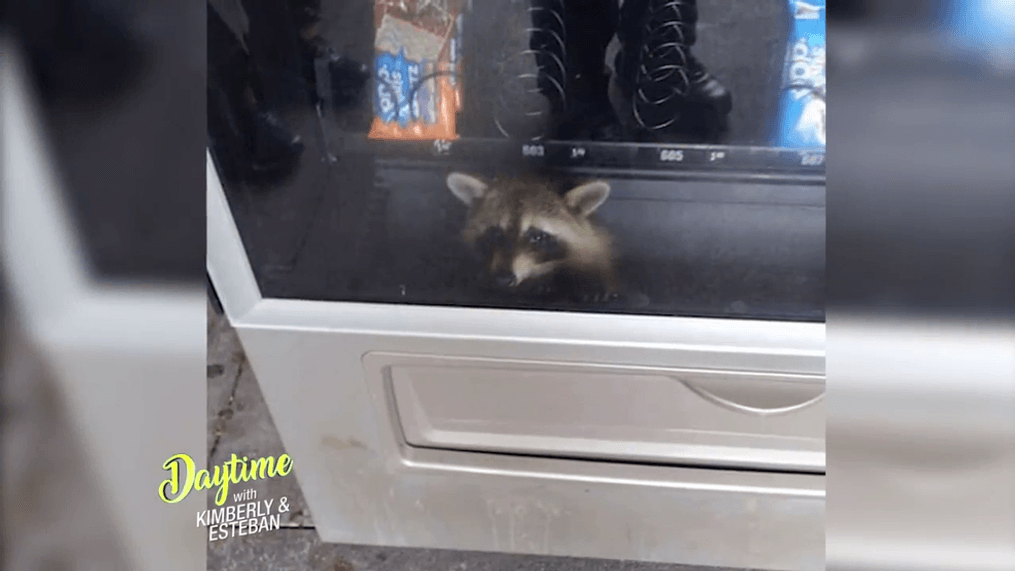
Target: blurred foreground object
127,359
122,125
921,251
78,51
985,29
921,462
53,518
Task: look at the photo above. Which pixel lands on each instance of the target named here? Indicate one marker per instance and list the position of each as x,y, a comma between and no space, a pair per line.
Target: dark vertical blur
122,88
921,285
102,249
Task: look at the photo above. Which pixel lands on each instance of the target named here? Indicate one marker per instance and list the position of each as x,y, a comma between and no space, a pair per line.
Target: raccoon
535,241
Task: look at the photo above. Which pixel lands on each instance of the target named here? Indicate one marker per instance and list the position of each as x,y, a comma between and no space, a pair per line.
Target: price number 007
812,159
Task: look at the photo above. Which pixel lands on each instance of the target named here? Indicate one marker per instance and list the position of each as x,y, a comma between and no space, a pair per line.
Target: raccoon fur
535,241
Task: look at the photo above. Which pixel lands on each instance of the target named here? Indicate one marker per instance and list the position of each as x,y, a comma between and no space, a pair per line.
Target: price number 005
671,155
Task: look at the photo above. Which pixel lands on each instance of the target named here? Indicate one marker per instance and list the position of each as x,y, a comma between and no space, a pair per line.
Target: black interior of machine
707,217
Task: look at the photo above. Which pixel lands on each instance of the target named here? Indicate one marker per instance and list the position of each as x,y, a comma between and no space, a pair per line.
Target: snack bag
417,70
802,124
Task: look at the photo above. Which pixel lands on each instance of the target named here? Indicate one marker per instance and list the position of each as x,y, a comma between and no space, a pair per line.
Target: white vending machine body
671,439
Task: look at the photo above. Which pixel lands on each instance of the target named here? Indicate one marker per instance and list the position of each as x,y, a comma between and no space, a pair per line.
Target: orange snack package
417,75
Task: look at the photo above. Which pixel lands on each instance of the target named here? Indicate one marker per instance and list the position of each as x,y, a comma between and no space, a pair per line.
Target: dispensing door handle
800,395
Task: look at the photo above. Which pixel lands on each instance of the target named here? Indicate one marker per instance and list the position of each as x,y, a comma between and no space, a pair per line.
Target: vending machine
532,276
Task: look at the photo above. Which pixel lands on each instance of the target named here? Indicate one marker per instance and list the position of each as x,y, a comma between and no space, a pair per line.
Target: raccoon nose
504,279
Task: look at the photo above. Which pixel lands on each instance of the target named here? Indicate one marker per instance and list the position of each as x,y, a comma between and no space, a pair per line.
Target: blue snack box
802,106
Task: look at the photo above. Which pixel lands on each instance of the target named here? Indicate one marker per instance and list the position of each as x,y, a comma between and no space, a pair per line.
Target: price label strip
564,155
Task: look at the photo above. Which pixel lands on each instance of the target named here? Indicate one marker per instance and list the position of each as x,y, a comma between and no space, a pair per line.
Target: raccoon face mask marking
525,231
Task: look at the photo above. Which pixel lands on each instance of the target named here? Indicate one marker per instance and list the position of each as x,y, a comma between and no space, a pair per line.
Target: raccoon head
525,230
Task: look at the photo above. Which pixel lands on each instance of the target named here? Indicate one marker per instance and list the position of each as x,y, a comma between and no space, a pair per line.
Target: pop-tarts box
802,110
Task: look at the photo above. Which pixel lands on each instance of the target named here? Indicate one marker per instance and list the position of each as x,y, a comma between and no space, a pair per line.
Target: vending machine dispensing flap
723,419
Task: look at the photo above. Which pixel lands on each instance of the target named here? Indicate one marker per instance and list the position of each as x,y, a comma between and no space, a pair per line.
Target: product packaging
802,122
417,70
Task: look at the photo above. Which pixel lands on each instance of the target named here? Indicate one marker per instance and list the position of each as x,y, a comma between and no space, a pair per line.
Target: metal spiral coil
534,79
662,79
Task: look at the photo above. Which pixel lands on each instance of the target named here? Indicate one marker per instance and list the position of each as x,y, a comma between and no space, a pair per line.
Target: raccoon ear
585,199
467,188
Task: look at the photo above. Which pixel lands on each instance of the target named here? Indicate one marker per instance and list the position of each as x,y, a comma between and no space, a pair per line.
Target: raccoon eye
539,237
